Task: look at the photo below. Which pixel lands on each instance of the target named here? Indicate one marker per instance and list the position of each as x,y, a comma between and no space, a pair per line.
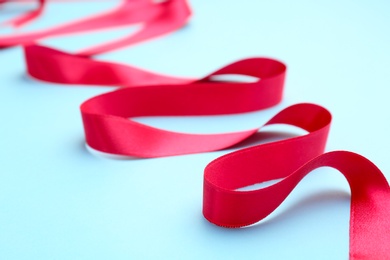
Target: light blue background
59,201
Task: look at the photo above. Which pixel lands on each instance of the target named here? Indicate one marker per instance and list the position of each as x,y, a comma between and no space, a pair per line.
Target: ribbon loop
108,129
370,200
226,207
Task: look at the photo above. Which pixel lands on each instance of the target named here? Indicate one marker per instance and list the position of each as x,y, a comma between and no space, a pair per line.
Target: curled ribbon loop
274,160
370,201
108,129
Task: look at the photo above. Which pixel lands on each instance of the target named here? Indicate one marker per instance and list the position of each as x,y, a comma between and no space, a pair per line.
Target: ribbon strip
370,200
51,65
25,18
143,93
157,19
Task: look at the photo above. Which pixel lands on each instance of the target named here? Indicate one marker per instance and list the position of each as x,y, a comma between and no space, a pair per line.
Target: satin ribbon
370,205
27,17
156,18
108,127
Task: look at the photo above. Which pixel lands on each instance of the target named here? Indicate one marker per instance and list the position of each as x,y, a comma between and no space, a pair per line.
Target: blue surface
59,201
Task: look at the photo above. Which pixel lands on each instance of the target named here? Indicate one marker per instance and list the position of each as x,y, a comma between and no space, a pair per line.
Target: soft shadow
82,148
6,47
324,199
89,150
26,78
16,10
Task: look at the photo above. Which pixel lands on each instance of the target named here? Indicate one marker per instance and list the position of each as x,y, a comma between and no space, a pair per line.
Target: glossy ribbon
143,93
27,17
156,18
370,205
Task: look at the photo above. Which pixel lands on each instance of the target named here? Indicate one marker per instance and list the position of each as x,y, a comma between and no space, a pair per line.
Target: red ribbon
157,19
25,18
108,129
370,204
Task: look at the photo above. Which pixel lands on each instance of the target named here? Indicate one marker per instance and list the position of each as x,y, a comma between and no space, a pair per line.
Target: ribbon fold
223,205
27,17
